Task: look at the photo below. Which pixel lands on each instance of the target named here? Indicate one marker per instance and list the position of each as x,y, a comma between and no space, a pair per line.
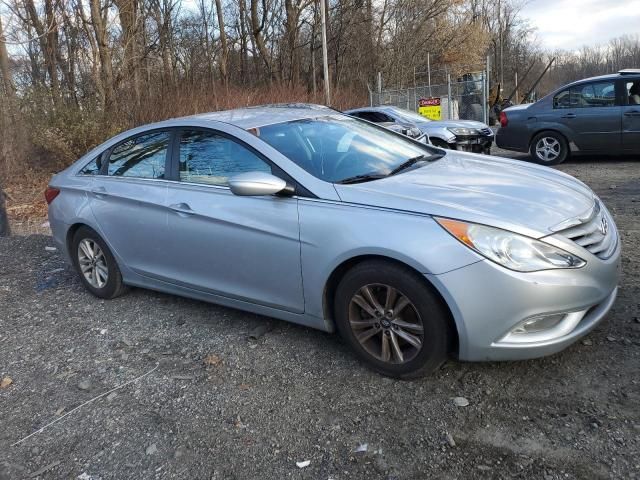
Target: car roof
631,74
261,115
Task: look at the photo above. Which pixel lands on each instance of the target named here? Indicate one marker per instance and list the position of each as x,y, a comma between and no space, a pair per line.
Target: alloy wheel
548,149
386,324
93,263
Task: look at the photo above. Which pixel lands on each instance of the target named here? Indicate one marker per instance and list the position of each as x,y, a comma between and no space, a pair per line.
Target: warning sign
430,108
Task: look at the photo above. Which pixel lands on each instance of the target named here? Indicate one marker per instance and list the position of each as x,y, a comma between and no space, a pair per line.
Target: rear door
591,114
128,200
631,116
245,248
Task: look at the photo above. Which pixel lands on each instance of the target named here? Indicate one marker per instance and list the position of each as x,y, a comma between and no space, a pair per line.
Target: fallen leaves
5,382
212,360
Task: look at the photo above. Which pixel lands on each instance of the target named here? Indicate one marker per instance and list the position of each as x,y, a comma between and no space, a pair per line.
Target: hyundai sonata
410,252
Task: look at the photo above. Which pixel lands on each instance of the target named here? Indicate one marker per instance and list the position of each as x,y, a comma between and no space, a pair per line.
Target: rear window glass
93,167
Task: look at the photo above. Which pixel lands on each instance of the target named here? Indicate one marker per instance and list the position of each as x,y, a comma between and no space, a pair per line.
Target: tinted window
337,147
376,117
142,157
589,95
207,157
93,167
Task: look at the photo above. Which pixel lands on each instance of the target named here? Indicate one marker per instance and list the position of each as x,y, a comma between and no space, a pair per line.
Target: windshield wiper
412,161
361,178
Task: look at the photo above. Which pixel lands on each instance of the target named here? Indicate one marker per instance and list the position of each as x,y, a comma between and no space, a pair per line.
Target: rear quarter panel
71,206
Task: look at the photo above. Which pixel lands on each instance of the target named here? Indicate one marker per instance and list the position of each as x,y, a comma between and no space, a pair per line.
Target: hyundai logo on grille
604,226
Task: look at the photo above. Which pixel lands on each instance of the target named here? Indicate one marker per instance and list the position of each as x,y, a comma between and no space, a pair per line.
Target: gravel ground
220,404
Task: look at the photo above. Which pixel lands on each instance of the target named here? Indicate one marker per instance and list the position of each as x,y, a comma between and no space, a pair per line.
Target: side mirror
258,183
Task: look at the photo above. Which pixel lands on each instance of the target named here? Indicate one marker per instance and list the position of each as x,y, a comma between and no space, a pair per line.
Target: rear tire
95,264
549,148
405,334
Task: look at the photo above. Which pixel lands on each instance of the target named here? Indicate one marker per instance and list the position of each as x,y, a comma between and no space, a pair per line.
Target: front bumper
489,301
473,143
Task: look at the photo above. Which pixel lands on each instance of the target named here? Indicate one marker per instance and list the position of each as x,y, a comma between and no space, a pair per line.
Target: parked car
465,135
595,115
297,212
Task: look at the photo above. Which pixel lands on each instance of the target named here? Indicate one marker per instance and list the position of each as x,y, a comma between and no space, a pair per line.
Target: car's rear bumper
489,301
511,140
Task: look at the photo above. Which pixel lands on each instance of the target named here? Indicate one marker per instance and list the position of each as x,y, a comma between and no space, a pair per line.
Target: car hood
528,199
440,124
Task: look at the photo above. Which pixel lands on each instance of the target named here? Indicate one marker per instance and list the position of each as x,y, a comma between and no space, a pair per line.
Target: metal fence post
488,87
484,97
449,105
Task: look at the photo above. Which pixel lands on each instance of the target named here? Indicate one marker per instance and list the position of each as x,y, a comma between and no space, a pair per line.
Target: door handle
99,191
632,113
569,115
181,208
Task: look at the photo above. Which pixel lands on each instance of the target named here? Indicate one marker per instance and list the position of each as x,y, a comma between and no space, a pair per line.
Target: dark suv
595,115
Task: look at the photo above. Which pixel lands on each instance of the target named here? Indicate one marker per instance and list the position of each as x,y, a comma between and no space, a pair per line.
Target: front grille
595,233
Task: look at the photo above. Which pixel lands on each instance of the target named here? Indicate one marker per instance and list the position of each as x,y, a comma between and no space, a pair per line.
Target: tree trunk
258,27
106,69
128,12
7,81
5,231
224,57
243,43
47,36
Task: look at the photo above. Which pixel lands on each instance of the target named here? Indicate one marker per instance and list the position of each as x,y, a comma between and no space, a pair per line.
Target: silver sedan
298,212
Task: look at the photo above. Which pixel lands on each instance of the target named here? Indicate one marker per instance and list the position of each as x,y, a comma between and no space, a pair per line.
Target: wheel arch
71,231
550,130
340,270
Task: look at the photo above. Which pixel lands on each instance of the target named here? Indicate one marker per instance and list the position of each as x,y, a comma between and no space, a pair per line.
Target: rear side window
207,157
93,167
633,92
588,95
141,157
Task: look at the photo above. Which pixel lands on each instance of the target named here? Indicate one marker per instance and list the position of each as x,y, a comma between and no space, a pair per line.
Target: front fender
332,233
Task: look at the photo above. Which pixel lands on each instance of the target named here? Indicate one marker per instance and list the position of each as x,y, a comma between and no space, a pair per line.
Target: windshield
409,115
336,147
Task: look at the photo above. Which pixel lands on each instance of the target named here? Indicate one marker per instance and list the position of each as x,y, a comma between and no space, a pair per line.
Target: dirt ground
221,405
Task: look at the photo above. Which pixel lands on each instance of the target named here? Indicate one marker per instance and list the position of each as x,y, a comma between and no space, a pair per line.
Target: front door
246,248
631,117
590,113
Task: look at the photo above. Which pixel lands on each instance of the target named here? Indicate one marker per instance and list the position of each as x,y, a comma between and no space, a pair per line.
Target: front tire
95,264
392,320
549,148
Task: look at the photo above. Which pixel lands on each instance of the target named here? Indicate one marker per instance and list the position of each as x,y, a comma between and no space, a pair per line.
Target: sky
570,24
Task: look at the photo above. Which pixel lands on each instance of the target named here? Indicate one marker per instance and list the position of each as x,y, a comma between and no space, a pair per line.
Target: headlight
509,249
463,131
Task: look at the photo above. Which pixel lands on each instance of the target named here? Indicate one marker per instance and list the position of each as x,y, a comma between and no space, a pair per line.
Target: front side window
141,157
588,95
337,147
211,158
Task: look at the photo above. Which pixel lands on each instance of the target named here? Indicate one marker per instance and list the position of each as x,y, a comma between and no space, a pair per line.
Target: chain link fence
464,98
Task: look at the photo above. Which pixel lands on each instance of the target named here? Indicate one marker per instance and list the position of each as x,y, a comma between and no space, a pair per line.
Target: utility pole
325,61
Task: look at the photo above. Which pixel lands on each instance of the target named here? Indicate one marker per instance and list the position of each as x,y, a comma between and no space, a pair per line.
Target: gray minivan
595,115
